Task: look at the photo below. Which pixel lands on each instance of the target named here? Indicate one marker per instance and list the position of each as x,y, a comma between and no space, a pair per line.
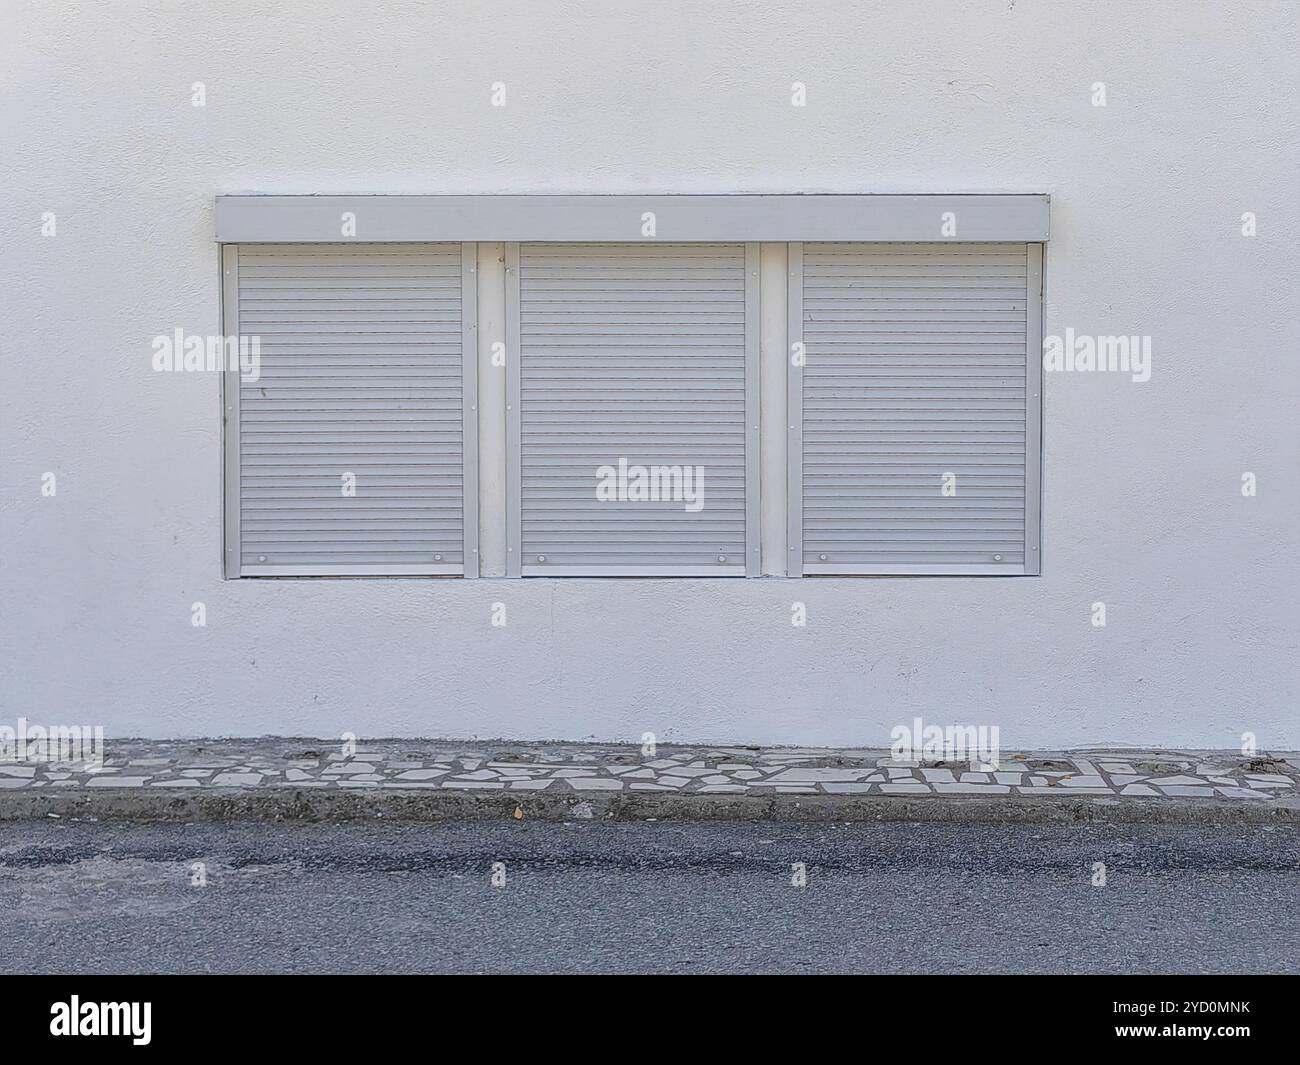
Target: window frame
749,219
1032,566
233,568
751,565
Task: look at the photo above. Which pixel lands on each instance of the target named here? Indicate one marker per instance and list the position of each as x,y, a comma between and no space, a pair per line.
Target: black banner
967,1013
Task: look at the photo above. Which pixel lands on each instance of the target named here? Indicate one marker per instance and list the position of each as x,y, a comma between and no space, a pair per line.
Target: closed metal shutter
351,447
636,356
919,426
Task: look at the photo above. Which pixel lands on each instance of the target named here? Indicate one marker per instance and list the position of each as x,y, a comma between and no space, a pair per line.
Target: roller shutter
366,362
919,428
636,357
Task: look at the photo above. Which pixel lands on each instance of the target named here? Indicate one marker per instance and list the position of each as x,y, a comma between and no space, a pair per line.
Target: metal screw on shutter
541,558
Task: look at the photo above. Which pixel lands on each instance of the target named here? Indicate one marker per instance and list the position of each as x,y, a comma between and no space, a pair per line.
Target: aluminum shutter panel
916,368
361,373
633,352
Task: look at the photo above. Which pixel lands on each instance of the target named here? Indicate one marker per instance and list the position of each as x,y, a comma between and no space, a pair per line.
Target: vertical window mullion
1033,409
514,465
469,404
794,411
230,410
753,542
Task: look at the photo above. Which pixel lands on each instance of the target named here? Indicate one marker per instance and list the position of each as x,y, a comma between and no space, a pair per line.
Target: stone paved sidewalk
411,765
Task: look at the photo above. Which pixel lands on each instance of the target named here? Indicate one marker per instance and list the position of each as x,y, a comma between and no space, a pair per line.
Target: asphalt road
590,897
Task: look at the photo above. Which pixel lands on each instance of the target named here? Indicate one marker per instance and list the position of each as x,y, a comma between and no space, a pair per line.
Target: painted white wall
1142,501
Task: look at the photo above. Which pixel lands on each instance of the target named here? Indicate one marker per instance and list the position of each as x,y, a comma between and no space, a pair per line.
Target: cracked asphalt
586,897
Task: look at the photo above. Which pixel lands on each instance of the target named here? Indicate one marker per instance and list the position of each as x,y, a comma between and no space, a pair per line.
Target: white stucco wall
1142,501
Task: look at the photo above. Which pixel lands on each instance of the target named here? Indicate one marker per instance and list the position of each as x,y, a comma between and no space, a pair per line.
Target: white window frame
753,220
1032,567
230,409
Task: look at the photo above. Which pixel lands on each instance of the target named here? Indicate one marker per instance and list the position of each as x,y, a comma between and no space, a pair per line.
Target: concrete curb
308,806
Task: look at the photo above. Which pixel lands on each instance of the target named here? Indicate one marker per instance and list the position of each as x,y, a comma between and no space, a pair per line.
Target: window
349,449
634,382
916,408
640,375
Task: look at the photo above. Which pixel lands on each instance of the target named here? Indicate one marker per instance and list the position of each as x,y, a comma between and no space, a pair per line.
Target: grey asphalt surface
648,897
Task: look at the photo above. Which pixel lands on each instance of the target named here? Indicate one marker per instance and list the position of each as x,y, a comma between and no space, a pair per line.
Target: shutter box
353,452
